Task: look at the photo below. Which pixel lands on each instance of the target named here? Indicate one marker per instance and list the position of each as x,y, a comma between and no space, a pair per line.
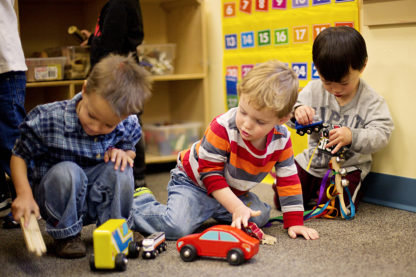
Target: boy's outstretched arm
241,213
24,204
307,233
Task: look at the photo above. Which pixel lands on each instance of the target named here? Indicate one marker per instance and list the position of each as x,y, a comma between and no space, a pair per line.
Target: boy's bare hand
242,215
119,157
339,137
307,233
86,34
304,115
23,206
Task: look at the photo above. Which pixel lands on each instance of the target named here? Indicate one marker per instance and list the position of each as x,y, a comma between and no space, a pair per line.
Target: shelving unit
179,97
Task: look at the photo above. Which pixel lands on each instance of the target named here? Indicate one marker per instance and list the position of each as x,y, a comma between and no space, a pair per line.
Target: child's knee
177,230
60,178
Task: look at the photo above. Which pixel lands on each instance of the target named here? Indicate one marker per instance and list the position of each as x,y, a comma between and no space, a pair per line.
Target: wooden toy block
33,236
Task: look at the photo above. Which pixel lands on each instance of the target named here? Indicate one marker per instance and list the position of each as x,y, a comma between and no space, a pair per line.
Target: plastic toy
113,242
33,236
153,245
308,129
221,241
253,231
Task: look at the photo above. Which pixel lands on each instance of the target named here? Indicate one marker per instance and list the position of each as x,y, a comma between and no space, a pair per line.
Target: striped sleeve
289,188
212,157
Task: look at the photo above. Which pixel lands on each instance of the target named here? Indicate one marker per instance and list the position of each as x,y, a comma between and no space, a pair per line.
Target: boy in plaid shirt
73,160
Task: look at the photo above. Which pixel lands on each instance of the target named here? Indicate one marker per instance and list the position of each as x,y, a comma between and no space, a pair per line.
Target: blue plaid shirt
52,133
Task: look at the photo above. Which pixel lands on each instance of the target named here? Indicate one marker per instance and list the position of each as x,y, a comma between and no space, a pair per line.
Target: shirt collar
71,117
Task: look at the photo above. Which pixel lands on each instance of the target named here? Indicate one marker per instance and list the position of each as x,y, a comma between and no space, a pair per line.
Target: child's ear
365,64
285,119
84,87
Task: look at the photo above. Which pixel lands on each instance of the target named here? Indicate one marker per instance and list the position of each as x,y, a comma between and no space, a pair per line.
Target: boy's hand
339,137
242,215
119,157
304,115
86,34
307,233
23,206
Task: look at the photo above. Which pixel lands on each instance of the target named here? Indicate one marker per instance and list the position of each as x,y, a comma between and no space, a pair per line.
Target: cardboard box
45,69
163,140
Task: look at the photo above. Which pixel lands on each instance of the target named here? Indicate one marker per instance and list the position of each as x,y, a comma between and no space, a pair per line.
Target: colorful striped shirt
52,133
223,159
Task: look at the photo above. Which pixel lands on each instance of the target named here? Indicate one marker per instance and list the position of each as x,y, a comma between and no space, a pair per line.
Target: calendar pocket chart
255,31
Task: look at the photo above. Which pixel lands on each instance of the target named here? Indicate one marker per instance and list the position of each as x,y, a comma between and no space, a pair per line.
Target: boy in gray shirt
341,97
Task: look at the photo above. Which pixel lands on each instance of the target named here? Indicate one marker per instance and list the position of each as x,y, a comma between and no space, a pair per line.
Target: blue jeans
70,196
12,113
188,206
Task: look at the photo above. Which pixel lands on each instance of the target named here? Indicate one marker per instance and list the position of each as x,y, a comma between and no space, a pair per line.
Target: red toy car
222,241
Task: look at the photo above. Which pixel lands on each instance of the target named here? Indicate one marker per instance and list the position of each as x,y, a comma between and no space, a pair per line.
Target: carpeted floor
380,241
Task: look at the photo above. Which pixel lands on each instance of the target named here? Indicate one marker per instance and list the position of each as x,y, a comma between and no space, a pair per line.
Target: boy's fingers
27,218
292,234
255,213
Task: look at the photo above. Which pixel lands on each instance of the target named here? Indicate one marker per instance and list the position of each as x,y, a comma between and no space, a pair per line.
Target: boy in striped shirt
214,177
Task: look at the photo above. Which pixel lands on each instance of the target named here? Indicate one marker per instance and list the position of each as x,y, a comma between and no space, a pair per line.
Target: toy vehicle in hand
113,242
343,152
308,129
221,241
153,245
253,231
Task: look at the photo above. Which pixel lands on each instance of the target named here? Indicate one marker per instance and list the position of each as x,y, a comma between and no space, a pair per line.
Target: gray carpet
380,241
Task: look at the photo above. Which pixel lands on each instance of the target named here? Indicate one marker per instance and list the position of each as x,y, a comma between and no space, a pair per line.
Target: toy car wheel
134,249
317,129
300,132
164,246
188,253
121,262
92,263
235,256
309,131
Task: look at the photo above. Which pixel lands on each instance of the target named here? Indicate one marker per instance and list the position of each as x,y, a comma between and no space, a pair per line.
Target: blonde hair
271,85
121,82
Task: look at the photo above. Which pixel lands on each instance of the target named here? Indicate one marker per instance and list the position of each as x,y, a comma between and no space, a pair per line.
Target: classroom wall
391,71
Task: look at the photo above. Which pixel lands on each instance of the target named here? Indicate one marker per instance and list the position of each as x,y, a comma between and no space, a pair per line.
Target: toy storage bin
78,62
45,69
158,59
163,140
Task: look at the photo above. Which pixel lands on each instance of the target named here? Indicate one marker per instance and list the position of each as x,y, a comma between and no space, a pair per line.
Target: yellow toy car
113,242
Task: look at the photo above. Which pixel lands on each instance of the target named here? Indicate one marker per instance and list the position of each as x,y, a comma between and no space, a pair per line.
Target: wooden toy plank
33,236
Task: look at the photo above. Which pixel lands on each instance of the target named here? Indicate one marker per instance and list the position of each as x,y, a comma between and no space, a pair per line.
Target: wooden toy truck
153,245
113,242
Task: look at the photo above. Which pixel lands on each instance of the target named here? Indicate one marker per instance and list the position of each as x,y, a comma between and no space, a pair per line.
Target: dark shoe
139,183
5,201
140,191
9,223
70,248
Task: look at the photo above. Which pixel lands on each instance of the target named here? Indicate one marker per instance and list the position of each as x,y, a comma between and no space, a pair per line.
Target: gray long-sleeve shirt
367,116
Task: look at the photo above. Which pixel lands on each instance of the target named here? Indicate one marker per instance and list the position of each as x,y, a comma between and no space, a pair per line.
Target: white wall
391,71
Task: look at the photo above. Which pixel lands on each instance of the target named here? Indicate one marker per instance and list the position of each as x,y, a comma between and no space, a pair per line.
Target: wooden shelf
152,159
179,97
54,83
